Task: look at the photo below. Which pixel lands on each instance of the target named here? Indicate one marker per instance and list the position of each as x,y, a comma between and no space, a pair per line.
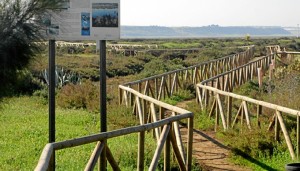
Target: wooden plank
276,129
272,123
229,111
153,112
141,151
159,148
221,111
253,101
139,110
199,97
239,112
45,158
146,89
178,156
111,160
120,96
94,157
173,84
160,92
167,152
286,135
258,113
178,139
247,116
213,109
190,143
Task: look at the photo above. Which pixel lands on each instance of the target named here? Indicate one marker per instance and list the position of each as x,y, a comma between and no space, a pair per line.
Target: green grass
24,133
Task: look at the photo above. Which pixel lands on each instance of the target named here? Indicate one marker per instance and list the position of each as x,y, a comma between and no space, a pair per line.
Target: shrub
85,96
17,33
158,66
21,82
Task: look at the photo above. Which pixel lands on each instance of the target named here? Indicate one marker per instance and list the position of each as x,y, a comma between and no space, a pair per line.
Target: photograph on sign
85,24
92,20
105,15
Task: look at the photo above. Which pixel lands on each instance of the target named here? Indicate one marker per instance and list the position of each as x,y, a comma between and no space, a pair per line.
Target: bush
17,33
158,66
21,82
84,96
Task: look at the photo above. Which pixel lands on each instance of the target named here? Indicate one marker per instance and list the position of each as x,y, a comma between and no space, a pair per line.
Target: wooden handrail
253,101
50,147
214,87
168,86
249,50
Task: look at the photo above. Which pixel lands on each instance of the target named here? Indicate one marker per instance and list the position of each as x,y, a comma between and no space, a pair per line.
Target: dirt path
210,153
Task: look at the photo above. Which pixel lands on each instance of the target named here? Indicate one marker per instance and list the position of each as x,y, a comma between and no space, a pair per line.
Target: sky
207,12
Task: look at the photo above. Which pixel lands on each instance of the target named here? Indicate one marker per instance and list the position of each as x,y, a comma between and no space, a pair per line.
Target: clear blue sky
207,12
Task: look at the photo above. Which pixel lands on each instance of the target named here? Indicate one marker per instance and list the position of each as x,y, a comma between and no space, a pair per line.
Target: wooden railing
214,96
154,115
166,131
164,85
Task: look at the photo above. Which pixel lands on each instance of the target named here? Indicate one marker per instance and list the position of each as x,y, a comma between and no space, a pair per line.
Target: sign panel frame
83,20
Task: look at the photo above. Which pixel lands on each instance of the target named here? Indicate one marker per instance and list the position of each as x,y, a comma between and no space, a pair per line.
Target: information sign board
83,20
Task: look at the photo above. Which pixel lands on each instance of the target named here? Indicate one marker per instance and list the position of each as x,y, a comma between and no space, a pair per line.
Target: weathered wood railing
214,95
273,49
238,76
166,131
164,85
219,109
147,109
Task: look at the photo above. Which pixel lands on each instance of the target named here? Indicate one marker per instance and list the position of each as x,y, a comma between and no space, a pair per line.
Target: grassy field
24,133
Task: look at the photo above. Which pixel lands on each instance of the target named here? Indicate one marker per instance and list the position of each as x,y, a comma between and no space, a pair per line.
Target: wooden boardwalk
208,151
213,80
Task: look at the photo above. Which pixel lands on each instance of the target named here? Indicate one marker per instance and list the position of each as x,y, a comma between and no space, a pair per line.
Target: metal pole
102,43
52,98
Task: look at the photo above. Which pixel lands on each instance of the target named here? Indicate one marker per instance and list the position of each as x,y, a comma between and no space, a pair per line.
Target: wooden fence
166,131
214,95
144,95
164,85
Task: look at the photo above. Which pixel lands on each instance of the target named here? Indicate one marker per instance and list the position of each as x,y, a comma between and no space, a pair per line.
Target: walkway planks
210,153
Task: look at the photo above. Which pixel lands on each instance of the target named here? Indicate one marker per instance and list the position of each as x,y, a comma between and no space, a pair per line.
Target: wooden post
258,113
167,152
162,140
276,128
259,76
141,149
156,88
286,135
229,111
190,143
217,115
120,96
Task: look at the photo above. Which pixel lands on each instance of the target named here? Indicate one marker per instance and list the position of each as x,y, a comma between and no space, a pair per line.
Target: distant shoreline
213,31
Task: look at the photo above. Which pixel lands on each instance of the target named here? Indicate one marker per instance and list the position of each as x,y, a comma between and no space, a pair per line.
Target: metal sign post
93,24
52,98
103,99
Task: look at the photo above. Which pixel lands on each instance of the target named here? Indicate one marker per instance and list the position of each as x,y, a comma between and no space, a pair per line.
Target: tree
18,29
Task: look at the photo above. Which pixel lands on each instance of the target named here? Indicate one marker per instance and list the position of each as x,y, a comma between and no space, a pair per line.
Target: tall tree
19,27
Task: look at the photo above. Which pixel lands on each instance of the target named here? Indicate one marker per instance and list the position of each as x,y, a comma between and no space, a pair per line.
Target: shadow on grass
252,160
234,150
